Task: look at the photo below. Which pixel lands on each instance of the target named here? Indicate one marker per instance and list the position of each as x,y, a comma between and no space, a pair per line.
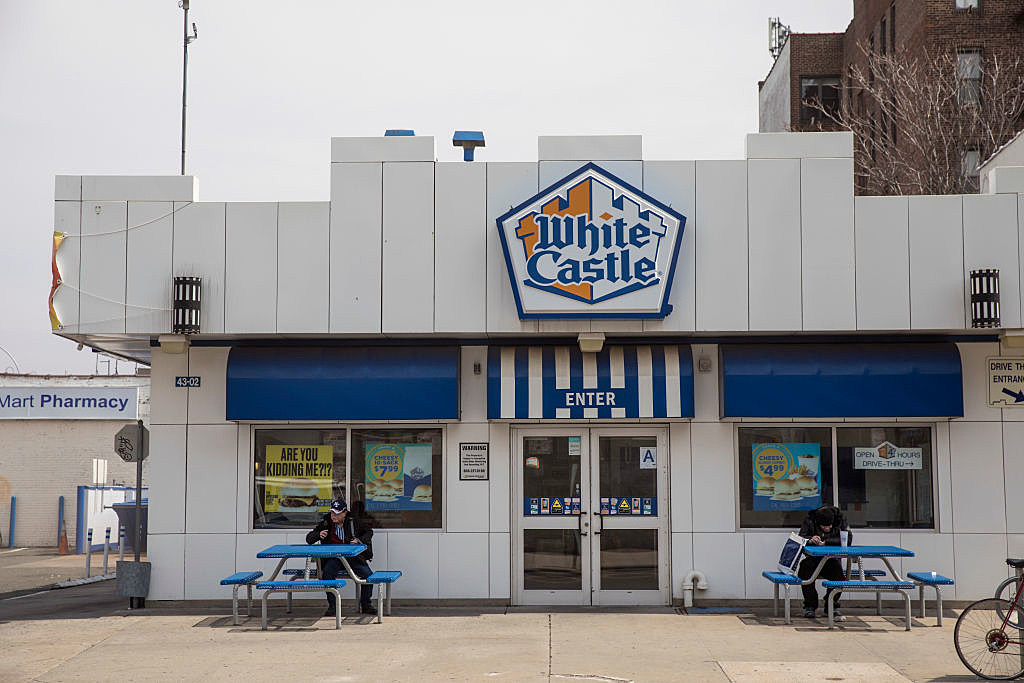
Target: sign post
131,443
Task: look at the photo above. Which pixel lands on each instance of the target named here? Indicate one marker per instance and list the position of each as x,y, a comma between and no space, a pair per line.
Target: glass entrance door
591,516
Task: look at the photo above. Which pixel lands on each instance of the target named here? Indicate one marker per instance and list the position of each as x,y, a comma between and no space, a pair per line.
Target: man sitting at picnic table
340,527
822,527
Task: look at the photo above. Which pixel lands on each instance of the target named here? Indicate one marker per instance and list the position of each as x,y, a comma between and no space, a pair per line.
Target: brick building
820,65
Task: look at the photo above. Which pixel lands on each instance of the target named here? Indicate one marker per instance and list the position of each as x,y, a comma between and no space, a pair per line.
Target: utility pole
184,76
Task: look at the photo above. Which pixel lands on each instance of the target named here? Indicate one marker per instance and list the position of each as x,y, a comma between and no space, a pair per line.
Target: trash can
126,518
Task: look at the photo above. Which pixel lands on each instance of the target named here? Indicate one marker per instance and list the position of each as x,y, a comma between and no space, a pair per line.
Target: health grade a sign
591,246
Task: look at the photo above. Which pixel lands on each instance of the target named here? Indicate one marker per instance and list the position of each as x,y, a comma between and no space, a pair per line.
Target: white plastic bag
791,552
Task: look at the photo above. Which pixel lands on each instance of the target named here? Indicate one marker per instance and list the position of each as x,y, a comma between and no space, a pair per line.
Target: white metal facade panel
67,218
799,145
467,502
407,276
394,148
682,561
722,245
932,552
210,475
460,559
760,552
168,404
150,231
415,555
473,385
303,265
165,477
250,267
585,147
460,247
166,554
244,492
705,384
247,545
674,183
773,205
1013,474
501,482
991,241
977,476
508,185
145,188
944,492
356,196
936,263
679,471
500,565
975,380
883,263
980,564
67,188
1020,249
102,272
630,171
199,251
208,559
720,556
713,468
207,402
826,208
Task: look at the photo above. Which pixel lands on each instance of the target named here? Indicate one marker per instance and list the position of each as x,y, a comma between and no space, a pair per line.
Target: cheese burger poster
787,476
398,476
298,478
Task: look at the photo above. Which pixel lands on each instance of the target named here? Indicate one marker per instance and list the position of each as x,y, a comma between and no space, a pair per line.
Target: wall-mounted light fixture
985,298
591,342
187,302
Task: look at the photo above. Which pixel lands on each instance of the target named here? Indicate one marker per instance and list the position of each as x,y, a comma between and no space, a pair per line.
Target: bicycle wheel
1008,591
985,645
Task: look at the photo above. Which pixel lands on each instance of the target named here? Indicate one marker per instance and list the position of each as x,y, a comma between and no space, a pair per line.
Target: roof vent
468,140
399,133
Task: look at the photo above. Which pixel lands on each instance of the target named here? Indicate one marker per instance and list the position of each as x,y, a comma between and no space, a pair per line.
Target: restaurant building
590,379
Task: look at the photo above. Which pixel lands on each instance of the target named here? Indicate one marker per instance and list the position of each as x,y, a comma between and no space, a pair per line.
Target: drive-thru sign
1006,382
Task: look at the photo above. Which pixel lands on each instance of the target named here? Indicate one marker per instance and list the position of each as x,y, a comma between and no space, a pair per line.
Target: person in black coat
340,527
822,527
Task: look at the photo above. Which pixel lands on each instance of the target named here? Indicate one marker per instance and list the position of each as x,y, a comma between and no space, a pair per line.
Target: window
883,35
823,91
970,159
968,76
892,26
395,475
966,5
883,475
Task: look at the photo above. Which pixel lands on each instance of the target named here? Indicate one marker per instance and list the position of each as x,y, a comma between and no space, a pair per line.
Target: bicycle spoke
987,646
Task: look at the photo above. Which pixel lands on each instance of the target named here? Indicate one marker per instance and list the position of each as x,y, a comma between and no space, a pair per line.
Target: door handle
583,524
597,531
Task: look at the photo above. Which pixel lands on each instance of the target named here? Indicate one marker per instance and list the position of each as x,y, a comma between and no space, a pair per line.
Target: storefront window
885,476
784,471
397,475
297,474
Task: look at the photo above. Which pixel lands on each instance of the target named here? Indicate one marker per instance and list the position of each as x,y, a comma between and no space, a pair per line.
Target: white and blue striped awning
561,382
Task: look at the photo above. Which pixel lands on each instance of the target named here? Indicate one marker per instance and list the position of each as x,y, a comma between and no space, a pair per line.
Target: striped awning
561,382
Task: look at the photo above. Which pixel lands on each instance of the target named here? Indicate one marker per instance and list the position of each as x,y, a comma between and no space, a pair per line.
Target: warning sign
1006,382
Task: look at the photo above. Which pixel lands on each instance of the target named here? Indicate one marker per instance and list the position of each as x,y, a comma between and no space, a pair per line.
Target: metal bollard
120,543
88,554
106,551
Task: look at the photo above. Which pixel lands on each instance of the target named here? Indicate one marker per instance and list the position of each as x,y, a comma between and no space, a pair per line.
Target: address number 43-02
189,382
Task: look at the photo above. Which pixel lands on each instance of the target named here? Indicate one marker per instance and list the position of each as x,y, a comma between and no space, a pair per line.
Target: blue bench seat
300,585
781,579
236,581
933,580
383,577
870,586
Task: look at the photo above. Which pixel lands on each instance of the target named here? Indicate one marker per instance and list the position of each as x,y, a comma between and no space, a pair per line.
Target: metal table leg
234,604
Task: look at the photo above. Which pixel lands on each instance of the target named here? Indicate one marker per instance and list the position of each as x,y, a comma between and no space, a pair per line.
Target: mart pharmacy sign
591,246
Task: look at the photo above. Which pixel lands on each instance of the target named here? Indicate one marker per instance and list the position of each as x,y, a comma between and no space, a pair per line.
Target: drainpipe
688,585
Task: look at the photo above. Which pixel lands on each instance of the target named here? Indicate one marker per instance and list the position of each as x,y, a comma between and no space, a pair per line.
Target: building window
883,475
970,159
966,5
968,76
823,91
892,26
394,476
883,35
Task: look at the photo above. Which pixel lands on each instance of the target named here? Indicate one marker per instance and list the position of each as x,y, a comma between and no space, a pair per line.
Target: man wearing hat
340,527
822,526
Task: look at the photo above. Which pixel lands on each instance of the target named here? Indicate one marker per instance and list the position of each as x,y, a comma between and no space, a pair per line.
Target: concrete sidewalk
86,633
25,570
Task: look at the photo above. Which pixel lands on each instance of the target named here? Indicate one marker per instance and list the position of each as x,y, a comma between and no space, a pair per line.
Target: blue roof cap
469,136
399,132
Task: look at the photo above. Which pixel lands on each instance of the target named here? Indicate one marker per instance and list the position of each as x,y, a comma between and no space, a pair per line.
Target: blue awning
343,383
841,380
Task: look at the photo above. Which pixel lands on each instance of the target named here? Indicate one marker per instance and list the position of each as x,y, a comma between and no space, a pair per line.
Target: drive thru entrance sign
1005,382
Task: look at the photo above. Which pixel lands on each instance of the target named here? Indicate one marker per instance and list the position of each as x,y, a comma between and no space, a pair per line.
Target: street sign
1005,382
131,442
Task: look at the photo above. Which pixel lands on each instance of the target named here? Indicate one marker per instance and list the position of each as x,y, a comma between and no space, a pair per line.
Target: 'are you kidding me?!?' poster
398,476
787,476
298,479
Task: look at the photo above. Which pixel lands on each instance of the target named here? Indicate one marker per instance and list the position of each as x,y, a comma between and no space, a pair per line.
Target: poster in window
398,476
297,479
787,476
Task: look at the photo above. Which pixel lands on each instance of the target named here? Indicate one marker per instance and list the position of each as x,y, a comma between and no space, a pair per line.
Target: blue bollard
10,532
88,554
60,517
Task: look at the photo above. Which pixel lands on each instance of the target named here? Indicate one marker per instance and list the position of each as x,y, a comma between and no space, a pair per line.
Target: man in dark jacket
340,527
822,527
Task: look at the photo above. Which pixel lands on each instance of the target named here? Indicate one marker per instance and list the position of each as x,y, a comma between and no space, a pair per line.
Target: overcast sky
95,88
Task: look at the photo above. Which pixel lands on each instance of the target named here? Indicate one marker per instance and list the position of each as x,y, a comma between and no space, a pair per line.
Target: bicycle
983,637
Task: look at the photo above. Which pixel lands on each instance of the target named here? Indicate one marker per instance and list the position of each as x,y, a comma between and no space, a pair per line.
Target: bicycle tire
985,646
1008,595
